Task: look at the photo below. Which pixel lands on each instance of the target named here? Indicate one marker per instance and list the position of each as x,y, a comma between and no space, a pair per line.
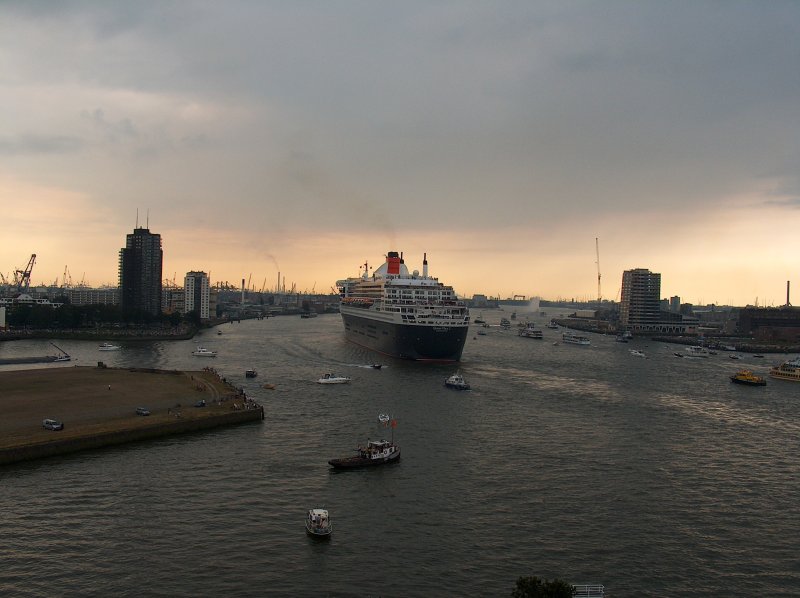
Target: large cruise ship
410,316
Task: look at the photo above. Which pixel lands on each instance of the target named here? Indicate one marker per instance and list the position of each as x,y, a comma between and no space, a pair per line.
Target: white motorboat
384,418
318,523
108,347
457,381
333,379
62,356
637,353
203,352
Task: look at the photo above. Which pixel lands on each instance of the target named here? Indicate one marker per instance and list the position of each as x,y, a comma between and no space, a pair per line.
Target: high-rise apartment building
640,305
640,300
197,294
140,264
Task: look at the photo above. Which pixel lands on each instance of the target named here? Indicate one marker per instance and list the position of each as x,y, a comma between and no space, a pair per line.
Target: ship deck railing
589,590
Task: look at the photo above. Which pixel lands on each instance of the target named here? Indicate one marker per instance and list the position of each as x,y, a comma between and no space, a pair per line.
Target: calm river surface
655,477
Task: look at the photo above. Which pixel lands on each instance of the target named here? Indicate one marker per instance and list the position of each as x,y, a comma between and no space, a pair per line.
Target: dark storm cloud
451,106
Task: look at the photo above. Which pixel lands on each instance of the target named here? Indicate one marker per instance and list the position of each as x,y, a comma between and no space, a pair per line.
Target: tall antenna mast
597,249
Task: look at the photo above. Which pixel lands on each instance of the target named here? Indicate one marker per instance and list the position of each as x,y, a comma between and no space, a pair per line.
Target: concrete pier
98,407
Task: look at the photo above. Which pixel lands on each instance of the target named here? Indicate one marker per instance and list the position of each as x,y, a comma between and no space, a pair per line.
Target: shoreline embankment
52,448
98,407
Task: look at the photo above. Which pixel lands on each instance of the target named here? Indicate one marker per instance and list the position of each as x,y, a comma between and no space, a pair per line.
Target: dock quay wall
55,447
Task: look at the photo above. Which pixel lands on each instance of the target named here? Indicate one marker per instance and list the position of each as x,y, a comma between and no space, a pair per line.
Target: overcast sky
502,138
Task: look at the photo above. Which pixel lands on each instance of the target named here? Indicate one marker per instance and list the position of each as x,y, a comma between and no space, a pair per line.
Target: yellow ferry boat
749,378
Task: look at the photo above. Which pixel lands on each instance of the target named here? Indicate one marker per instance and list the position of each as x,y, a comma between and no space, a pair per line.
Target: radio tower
597,249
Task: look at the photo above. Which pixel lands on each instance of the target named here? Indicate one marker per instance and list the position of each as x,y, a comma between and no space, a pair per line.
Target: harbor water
654,477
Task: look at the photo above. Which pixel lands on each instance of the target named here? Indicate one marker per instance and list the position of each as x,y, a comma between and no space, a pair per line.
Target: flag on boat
394,423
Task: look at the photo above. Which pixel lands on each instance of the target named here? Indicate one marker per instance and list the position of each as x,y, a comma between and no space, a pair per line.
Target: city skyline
500,140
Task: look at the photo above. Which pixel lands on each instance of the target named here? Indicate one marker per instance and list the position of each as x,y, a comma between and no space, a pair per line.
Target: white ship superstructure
406,315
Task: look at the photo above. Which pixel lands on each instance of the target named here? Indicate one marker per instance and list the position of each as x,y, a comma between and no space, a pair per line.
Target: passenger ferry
788,370
575,339
402,314
530,331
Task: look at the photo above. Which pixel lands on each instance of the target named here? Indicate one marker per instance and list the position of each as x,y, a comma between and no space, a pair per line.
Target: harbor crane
22,278
66,281
597,248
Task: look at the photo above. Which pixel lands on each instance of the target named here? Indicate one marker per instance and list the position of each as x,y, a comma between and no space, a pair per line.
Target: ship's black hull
358,462
406,341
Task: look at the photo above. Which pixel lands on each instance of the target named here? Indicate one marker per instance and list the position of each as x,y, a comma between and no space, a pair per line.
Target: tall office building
640,301
140,273
196,294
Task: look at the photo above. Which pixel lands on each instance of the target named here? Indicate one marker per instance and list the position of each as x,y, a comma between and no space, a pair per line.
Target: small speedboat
377,366
384,418
637,353
250,373
203,352
457,382
108,347
318,523
333,379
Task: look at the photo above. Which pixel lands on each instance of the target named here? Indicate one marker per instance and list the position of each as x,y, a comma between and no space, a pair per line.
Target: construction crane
597,248
66,282
22,278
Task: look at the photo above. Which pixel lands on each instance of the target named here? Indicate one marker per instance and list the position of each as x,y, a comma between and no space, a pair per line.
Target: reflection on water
654,476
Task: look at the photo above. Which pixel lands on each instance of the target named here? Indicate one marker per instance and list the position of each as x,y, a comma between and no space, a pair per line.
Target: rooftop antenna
137,217
148,219
597,248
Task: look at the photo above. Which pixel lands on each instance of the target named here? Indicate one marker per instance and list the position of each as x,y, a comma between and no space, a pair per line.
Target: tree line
68,316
